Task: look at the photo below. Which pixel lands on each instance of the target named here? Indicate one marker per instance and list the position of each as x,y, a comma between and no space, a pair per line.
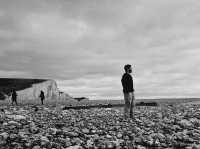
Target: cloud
12,74
85,44
52,26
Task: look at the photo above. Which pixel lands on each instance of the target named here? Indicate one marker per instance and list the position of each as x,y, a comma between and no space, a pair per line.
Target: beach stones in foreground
153,127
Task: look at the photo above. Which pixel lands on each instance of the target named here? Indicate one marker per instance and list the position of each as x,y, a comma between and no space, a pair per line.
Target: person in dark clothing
42,97
128,90
14,97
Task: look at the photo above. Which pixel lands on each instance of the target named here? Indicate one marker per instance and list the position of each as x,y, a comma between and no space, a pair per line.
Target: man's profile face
130,70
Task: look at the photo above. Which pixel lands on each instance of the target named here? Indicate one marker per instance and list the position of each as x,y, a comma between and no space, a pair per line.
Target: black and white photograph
99,74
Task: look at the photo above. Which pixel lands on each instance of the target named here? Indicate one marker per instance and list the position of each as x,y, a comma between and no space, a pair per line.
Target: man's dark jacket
14,95
127,83
42,95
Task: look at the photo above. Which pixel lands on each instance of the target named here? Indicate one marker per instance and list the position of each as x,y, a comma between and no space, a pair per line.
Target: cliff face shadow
9,84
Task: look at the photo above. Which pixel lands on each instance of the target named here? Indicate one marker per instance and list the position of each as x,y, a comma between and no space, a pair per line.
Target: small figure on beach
42,97
128,90
14,97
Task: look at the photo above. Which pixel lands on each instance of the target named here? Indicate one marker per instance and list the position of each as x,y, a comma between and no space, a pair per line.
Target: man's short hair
127,67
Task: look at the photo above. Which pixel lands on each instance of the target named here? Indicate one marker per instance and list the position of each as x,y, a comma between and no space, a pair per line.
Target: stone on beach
16,117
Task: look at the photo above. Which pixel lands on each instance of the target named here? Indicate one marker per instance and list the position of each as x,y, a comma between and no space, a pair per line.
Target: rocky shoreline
50,127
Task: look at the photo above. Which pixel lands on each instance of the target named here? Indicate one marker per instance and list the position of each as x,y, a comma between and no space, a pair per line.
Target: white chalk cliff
49,87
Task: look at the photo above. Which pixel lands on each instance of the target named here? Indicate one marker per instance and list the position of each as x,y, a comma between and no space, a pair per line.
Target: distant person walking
14,97
42,97
128,90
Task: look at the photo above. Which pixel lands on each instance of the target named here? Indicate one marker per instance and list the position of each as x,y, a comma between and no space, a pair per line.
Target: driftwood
147,104
107,105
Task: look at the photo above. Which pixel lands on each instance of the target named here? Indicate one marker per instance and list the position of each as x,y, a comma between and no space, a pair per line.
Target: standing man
14,97
128,90
42,97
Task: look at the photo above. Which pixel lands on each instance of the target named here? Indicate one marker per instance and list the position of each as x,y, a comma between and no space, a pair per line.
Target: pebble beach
50,127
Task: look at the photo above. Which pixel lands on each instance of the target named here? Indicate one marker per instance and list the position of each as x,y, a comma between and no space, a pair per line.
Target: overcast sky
84,44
